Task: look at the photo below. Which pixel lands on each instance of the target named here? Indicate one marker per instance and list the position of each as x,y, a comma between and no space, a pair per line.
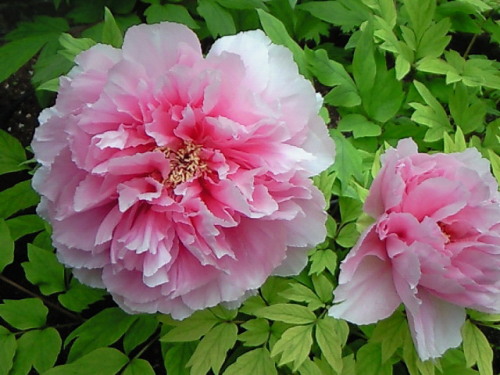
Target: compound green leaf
219,20
323,259
23,225
257,332
78,297
8,347
12,154
287,313
6,245
390,333
17,198
170,12
177,357
192,328
369,361
139,332
212,349
359,125
477,349
257,361
294,345
329,342
301,293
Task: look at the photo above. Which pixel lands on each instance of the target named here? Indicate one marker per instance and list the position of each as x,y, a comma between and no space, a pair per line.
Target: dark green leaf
391,333
43,347
359,125
79,296
170,12
177,357
44,270
103,329
8,347
25,224
6,245
348,161
140,331
24,313
369,362
139,366
12,154
344,13
17,198
102,361
219,20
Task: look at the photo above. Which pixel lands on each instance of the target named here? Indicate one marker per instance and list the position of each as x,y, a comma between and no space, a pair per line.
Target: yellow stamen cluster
185,164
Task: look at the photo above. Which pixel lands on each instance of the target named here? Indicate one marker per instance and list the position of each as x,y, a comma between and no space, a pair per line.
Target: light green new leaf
192,328
323,287
111,33
369,361
17,198
277,32
6,245
287,313
323,259
102,361
8,347
308,367
294,345
300,293
434,40
359,125
140,331
495,164
103,329
24,313
252,304
329,342
219,20
350,209
74,46
25,224
432,115
255,362
421,14
348,235
138,366
177,357
272,288
257,332
44,270
12,154
212,349
170,12
477,349
390,333
79,296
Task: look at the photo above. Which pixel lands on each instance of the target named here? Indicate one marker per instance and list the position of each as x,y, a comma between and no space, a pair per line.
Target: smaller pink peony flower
435,246
178,181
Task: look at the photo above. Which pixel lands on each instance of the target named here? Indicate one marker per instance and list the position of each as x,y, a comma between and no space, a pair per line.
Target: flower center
444,231
185,164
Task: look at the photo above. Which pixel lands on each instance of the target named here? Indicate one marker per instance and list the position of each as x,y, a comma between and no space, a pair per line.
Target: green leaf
300,293
277,32
294,345
348,162
287,313
364,67
495,164
257,361
51,85
79,296
23,225
323,259
140,331
272,288
8,346
102,361
434,40
257,332
350,209
6,245
219,20
44,270
432,115
192,328
14,55
347,14
24,313
111,33
309,367
323,287
211,351
103,329
330,342
359,125
138,366
477,349
170,12
38,348
17,198
177,357
252,304
390,333
224,314
74,46
369,362
348,235
12,154
468,111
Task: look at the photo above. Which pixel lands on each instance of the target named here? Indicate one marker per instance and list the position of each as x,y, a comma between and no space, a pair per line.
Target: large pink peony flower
178,181
435,246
